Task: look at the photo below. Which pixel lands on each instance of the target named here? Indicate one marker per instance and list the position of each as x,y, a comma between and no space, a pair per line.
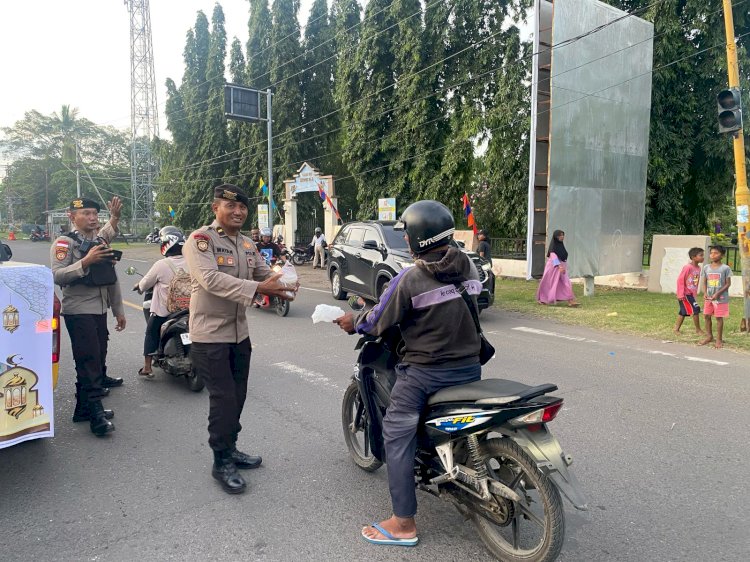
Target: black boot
81,413
109,382
225,471
98,421
243,460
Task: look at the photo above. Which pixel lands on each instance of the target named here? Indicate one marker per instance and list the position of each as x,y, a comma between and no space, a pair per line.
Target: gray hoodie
435,322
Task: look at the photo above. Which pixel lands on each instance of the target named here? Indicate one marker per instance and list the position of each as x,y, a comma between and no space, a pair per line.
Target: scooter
305,254
483,446
37,236
173,355
281,306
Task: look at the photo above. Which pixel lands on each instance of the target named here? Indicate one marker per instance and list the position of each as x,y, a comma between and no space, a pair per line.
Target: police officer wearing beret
227,271
83,266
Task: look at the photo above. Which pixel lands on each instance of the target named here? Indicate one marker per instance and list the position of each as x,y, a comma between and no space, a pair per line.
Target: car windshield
394,238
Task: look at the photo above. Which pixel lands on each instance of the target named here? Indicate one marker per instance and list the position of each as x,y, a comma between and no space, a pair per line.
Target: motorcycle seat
490,391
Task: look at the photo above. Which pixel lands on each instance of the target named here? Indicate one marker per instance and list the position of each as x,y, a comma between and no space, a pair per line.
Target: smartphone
116,255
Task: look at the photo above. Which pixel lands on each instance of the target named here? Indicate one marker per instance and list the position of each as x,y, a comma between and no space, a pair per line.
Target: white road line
316,290
656,352
306,375
552,334
702,360
140,261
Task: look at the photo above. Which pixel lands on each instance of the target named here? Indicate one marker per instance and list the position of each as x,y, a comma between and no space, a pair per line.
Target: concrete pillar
330,222
588,286
290,222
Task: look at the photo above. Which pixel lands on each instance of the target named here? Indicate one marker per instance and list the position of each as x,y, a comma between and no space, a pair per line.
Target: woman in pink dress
555,285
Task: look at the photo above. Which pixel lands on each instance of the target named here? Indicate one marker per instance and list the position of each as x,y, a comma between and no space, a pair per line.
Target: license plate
185,339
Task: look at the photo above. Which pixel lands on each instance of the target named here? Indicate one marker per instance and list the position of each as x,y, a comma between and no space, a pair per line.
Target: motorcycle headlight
487,266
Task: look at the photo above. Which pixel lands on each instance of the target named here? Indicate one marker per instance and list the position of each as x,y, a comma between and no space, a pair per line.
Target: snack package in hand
326,313
289,277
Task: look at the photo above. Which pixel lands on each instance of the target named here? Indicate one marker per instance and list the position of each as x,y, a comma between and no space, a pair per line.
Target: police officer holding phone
83,266
227,271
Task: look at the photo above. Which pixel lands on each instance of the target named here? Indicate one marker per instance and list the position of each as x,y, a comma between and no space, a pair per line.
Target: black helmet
429,225
170,236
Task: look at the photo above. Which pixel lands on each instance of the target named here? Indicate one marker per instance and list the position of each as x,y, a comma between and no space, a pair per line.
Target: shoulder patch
202,244
200,237
61,253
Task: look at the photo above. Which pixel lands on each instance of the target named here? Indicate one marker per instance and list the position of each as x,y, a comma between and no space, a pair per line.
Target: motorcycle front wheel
531,530
355,423
297,259
282,307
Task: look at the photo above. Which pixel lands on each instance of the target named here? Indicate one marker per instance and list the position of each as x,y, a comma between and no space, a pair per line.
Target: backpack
178,292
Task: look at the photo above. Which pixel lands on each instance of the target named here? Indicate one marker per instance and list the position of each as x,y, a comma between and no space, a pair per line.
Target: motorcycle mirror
356,303
131,270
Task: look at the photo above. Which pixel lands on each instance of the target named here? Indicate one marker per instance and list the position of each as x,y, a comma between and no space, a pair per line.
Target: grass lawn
626,311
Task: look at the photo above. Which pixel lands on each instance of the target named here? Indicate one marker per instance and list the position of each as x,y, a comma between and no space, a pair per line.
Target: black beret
231,193
83,203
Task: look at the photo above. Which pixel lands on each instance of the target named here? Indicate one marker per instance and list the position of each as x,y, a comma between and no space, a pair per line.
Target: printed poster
26,401
387,209
262,216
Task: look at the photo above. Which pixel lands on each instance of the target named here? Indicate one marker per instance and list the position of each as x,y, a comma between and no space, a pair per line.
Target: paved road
659,438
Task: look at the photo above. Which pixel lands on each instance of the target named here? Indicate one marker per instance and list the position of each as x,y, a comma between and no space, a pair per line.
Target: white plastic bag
326,313
289,277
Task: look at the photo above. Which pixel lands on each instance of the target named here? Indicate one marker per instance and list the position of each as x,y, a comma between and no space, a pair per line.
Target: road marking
552,334
132,305
702,360
316,290
133,259
656,352
312,377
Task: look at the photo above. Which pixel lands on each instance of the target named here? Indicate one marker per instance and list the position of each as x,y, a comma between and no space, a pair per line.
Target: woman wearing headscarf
555,285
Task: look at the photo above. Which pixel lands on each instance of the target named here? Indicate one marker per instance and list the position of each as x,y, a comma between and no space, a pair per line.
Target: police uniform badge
61,250
201,241
246,244
220,260
230,260
231,195
77,204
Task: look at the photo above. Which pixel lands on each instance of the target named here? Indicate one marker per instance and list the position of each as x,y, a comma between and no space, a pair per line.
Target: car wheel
336,290
381,286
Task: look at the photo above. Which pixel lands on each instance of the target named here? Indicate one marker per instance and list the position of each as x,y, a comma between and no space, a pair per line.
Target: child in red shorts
717,278
687,290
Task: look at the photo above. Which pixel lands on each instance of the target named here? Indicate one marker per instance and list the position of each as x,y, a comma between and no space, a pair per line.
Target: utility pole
270,159
741,194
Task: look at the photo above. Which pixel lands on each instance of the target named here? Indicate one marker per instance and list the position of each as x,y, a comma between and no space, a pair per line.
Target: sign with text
387,209
262,216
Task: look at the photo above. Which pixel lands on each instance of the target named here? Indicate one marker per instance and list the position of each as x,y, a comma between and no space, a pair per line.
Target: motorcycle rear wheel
282,307
356,437
509,464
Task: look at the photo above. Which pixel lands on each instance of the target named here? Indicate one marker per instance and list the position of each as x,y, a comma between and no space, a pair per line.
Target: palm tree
67,125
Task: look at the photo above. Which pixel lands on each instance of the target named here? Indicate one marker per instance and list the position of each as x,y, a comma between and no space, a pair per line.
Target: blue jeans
413,387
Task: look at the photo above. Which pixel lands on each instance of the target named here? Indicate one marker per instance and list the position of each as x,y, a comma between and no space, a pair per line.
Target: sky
77,52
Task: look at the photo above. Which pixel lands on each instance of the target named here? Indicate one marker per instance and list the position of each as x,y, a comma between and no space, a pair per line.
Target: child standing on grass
687,289
717,278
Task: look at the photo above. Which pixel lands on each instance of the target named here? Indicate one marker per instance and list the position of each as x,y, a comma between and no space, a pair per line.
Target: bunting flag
324,197
323,194
262,187
468,213
171,211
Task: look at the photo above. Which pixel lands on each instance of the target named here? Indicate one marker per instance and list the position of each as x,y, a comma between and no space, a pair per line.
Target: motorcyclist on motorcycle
268,249
159,277
441,348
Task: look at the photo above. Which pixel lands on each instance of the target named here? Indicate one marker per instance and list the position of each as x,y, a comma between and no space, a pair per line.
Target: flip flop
146,375
390,540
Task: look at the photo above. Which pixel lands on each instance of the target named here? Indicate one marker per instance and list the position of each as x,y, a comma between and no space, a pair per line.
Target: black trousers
224,368
89,338
153,334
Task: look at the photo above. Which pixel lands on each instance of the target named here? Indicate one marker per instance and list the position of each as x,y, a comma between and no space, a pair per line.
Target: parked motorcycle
483,446
305,254
39,236
173,355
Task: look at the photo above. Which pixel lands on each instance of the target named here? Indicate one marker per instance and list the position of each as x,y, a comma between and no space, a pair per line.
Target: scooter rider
268,249
159,277
441,348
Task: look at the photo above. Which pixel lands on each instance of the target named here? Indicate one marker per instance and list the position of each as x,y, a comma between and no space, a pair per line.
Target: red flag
469,213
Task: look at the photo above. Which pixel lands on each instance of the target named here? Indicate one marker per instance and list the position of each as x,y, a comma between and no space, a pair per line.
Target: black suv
364,256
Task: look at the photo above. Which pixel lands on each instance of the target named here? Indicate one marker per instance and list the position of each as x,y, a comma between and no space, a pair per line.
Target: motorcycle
153,237
281,306
305,254
39,236
483,446
173,355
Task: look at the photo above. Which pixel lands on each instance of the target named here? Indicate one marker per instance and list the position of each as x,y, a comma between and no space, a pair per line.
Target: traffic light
730,110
